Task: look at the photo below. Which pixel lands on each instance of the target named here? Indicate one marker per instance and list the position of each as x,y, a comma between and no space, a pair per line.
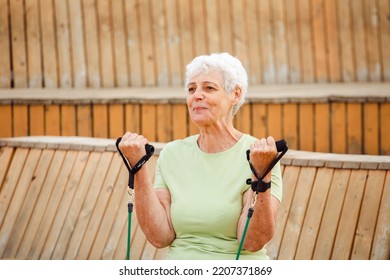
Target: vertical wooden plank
133,42
354,128
307,56
18,44
380,249
368,215
322,127
332,40
384,128
297,214
147,54
7,123
91,43
173,44
199,27
279,26
133,117
274,121
33,33
79,68
36,120
148,122
346,230
346,42
88,206
243,119
331,216
52,120
160,19
290,124
320,56
259,120
5,46
179,121
68,120
27,207
119,44
185,31
35,228
254,70
306,127
84,120
20,120
292,35
212,31
225,25
63,43
311,225
290,178
339,130
359,42
240,40
105,42
49,48
116,118
371,128
266,31
384,8
164,122
6,154
373,45
75,205
100,120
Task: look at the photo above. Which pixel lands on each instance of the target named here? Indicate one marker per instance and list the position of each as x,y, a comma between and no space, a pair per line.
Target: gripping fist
262,152
132,146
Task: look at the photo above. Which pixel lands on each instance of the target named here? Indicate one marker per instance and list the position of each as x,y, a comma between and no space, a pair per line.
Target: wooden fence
66,198
128,43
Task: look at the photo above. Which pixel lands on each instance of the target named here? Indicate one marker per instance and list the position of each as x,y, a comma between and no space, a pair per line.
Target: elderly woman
199,202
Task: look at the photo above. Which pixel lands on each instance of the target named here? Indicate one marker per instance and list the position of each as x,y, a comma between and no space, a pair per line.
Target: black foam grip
281,145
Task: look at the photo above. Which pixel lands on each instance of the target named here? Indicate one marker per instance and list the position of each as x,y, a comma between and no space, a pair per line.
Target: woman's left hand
262,152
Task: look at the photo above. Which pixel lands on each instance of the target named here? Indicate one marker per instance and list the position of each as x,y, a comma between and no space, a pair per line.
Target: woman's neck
215,140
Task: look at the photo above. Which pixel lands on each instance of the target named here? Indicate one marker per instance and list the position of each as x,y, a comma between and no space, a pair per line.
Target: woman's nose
198,94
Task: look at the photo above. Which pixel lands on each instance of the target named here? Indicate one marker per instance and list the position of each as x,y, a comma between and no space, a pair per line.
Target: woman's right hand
132,146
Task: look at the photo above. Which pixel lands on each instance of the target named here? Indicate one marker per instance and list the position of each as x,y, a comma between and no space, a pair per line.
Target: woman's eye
191,90
210,88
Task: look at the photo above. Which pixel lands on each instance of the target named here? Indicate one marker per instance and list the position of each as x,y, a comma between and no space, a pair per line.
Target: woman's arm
152,206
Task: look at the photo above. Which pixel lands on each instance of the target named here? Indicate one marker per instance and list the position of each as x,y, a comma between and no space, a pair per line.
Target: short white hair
229,66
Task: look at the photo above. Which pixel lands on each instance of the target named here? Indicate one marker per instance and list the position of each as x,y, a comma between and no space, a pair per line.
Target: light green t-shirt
206,191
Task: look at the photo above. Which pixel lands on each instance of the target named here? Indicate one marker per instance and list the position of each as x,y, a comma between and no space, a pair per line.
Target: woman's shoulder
179,144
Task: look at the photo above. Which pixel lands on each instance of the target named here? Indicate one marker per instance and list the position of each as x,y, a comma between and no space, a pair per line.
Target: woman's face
207,101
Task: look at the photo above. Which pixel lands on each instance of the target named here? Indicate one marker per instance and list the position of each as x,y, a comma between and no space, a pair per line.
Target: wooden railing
66,198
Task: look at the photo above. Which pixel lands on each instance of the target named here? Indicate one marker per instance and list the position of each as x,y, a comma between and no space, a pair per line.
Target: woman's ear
237,94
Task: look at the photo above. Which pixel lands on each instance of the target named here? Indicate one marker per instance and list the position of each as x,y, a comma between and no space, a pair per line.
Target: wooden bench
66,198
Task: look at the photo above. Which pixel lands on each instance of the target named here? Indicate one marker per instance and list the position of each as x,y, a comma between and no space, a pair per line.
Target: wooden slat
20,120
290,125
338,126
349,216
164,128
240,38
15,201
7,123
68,120
179,121
331,216
346,46
100,120
36,120
50,211
359,33
384,128
212,18
322,127
243,119
372,39
49,50
319,40
34,45
63,43
96,217
274,121
88,206
105,43
148,125
185,26
371,128
290,178
132,117
354,128
77,34
52,120
279,26
306,127
332,40
380,249
26,209
6,154
368,215
315,208
84,120
198,27
5,54
307,56
89,8
28,246
147,54
74,210
297,214
116,120
259,115
384,8
293,43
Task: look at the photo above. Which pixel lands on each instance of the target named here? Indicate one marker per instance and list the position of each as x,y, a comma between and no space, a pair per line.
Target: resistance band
132,171
260,186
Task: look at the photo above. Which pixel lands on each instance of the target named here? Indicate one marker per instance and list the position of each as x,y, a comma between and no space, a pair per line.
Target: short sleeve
277,182
159,182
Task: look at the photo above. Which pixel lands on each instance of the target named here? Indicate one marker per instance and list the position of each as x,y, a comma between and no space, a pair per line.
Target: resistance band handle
281,146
